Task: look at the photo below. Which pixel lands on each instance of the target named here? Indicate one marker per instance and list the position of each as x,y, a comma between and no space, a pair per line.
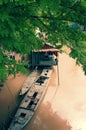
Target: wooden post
58,73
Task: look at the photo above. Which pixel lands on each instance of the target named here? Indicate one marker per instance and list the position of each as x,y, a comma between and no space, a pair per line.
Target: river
64,105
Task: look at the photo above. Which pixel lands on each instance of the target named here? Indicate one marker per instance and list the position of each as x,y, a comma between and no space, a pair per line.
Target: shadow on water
9,99
8,116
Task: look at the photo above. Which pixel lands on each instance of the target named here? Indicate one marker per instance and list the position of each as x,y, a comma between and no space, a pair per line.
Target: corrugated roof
46,50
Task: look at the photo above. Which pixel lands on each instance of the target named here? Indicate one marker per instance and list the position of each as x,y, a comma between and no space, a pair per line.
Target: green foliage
19,20
3,74
3,69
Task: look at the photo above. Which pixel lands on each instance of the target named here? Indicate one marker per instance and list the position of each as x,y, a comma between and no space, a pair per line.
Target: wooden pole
58,73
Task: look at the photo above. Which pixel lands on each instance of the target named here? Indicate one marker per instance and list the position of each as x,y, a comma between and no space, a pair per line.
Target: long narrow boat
31,101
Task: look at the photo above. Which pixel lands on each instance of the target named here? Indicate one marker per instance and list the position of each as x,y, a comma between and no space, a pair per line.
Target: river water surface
64,105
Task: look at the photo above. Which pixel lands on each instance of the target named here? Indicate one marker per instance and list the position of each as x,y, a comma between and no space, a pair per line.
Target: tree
19,20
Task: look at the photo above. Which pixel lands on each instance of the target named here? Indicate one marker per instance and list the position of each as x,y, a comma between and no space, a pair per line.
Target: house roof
46,50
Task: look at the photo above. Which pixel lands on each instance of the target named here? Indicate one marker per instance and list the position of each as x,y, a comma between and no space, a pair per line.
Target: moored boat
35,86
31,101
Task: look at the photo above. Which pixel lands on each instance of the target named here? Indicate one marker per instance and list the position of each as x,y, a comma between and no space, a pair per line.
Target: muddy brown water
9,99
63,107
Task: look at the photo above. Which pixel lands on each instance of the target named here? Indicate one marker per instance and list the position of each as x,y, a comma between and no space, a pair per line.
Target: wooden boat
31,101
35,86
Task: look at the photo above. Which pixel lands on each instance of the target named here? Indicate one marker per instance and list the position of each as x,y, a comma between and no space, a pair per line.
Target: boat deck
29,82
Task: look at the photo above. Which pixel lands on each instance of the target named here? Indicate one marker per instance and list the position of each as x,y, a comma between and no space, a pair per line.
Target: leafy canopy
19,20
